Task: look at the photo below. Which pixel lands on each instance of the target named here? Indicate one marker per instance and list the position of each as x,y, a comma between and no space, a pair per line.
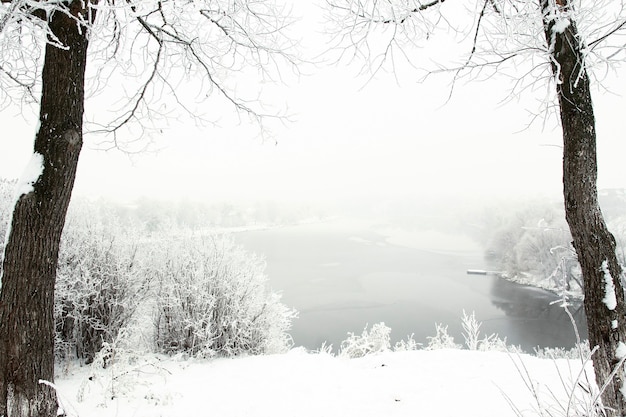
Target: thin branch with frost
140,96
371,13
502,32
470,57
376,32
157,53
14,6
250,34
602,38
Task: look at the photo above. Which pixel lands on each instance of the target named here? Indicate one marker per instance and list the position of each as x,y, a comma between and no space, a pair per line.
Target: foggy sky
348,139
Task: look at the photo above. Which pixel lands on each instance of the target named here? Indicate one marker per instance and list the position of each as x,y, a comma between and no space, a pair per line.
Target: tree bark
31,252
594,244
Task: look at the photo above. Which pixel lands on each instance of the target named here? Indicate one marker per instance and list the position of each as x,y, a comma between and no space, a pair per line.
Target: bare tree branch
143,47
15,5
617,28
378,33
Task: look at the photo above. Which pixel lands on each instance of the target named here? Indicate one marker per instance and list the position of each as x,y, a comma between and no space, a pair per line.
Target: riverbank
575,296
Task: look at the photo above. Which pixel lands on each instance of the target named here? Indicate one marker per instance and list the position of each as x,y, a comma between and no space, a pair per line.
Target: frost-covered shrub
442,340
407,345
212,300
120,370
471,331
475,341
375,340
210,297
99,283
581,350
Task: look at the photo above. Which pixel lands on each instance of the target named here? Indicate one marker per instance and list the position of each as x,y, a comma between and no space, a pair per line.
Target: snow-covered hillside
445,382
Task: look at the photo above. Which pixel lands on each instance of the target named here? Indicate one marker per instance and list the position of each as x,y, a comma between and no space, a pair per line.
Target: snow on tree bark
27,293
594,244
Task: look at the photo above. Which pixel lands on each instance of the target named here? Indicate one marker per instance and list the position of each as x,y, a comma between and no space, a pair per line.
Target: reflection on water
535,317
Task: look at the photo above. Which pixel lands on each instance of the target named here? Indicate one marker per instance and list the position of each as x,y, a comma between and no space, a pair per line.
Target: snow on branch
476,40
11,11
178,54
164,58
387,13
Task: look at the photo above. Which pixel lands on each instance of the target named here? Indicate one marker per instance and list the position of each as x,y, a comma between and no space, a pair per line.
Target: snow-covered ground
445,382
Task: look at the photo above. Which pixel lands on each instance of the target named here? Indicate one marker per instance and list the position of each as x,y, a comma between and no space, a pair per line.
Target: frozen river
341,276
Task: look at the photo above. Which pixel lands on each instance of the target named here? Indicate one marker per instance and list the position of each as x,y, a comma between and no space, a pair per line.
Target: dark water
341,277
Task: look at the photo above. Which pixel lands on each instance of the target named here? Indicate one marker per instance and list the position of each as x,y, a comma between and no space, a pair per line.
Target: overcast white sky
385,140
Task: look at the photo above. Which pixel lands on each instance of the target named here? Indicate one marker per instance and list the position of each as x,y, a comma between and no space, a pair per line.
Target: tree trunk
594,244
31,252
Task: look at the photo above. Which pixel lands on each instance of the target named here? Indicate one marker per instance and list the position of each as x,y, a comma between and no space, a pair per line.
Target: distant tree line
158,215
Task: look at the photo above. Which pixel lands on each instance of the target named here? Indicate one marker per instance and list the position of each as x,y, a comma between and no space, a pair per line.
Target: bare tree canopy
473,40
153,60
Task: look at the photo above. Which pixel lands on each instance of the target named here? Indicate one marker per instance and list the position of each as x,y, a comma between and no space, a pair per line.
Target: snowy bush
475,341
407,345
442,340
212,300
209,296
581,350
471,331
120,370
99,284
376,340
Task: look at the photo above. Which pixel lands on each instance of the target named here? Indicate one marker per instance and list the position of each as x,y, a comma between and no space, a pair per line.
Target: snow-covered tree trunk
595,245
27,292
